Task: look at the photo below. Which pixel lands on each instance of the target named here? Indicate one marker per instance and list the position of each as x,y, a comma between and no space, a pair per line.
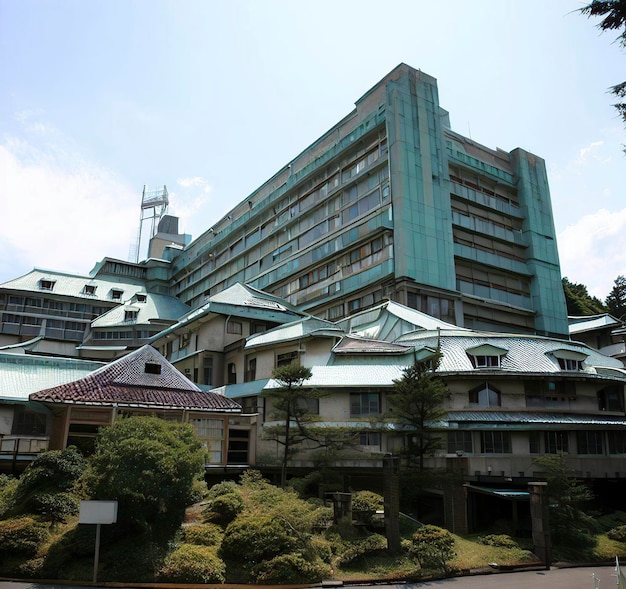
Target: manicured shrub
22,535
367,503
433,547
192,564
251,539
203,535
223,509
8,487
290,569
54,507
499,540
618,533
358,550
223,488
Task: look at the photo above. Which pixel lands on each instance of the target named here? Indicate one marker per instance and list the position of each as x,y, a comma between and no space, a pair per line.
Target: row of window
588,442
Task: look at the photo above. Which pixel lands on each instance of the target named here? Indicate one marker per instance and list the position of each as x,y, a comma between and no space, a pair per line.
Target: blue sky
210,98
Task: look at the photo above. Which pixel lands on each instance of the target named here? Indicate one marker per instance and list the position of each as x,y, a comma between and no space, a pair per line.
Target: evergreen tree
616,301
417,403
614,13
579,302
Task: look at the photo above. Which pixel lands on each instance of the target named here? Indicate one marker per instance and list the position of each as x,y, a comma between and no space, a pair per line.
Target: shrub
203,535
499,540
45,487
8,487
223,509
367,501
290,569
192,564
250,539
433,547
199,491
223,488
22,536
358,550
618,533
322,517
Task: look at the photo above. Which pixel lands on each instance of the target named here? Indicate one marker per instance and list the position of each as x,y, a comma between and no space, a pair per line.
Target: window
207,370
556,442
460,442
362,404
310,405
232,373
590,442
534,442
152,368
485,395
617,442
130,315
116,294
487,361
251,371
141,298
89,289
235,327
286,359
371,439
495,442
46,284
27,422
211,434
611,398
570,364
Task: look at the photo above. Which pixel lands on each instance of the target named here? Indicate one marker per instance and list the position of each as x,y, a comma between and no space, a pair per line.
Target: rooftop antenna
153,209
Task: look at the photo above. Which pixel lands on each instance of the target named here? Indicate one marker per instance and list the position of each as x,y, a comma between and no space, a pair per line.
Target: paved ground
600,577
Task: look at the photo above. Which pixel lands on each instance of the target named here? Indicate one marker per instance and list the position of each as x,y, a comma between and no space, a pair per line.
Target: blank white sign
97,512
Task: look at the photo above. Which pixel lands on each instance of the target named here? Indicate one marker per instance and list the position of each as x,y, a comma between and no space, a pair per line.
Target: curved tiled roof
126,382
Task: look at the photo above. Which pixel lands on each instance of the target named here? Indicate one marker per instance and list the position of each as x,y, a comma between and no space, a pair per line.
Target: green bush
499,540
22,535
199,491
433,547
367,501
46,486
358,550
223,509
251,539
223,488
203,535
192,564
618,533
8,488
290,569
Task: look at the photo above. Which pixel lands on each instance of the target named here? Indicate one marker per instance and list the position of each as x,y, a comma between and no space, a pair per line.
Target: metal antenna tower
153,208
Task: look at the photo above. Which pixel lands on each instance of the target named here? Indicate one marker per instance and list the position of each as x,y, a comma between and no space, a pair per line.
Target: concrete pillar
391,495
540,521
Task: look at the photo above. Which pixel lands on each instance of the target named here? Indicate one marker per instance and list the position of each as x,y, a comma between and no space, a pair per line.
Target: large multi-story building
392,203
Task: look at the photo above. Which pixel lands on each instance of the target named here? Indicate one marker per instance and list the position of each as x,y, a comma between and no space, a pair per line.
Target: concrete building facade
392,203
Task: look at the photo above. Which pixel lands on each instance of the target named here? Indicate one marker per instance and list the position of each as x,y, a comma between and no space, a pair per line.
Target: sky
100,98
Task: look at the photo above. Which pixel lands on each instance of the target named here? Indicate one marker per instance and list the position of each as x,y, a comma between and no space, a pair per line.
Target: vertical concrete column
540,521
455,497
391,495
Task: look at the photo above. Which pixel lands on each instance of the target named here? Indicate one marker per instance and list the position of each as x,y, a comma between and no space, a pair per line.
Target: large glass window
495,442
485,395
364,404
460,442
590,442
211,434
617,442
611,398
556,442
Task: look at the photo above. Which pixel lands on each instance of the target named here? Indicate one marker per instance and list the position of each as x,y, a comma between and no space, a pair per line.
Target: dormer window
89,289
570,364
141,298
45,284
130,315
152,368
569,360
486,356
116,294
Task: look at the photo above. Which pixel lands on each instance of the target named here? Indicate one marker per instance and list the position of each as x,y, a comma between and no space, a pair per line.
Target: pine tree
616,301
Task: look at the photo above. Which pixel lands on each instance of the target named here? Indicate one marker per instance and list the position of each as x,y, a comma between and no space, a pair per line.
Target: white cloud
59,211
588,152
593,250
195,182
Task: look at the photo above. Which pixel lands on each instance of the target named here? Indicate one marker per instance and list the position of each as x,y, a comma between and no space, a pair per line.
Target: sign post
97,512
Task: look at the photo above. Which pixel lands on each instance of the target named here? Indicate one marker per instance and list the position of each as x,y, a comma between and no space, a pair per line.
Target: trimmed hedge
22,535
192,564
290,569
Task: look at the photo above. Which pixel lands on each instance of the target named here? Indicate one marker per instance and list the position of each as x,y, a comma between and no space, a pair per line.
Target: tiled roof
126,382
582,324
351,344
21,374
522,417
73,285
155,307
306,327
